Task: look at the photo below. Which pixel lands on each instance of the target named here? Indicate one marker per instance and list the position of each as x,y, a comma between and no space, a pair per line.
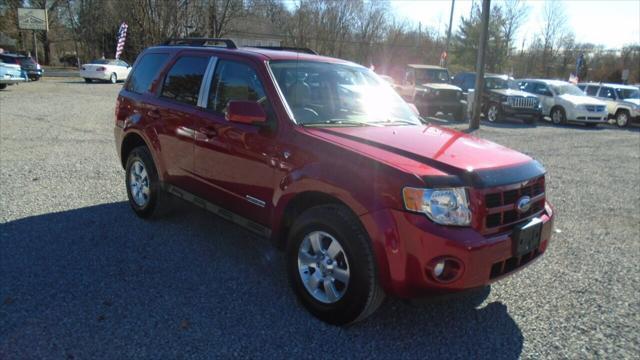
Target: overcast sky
612,23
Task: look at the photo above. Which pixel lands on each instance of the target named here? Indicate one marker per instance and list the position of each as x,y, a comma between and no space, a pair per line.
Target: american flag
122,36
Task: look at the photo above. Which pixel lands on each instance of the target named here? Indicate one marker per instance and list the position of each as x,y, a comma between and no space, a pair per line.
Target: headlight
446,206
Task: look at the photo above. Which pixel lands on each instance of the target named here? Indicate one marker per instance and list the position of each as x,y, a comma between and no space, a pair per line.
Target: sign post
33,19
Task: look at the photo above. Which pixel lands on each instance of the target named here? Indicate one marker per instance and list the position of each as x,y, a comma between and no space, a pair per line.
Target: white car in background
564,102
623,101
111,70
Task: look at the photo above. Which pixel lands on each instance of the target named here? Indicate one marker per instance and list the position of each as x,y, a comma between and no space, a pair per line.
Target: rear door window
606,92
184,79
145,72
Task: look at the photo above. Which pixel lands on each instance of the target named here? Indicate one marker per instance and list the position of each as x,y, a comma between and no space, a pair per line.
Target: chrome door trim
203,95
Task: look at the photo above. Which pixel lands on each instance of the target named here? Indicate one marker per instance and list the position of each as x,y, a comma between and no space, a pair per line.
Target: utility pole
446,46
474,122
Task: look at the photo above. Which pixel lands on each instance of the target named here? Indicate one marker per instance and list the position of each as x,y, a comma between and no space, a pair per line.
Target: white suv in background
623,101
564,102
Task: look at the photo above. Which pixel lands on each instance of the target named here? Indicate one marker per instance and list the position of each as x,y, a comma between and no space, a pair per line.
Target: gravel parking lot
82,277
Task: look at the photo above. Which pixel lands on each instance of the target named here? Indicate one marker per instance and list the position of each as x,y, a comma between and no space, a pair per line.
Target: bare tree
514,13
553,29
221,13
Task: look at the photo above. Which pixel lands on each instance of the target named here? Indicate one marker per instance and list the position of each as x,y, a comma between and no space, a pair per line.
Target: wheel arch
296,205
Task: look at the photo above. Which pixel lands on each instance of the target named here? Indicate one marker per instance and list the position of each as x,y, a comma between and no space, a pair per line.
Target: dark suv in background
428,88
501,99
28,65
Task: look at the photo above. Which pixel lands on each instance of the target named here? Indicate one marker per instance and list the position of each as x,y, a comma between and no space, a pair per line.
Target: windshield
432,76
500,83
567,89
628,93
324,93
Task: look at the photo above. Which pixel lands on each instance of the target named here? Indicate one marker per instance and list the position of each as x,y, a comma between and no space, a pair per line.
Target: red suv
324,158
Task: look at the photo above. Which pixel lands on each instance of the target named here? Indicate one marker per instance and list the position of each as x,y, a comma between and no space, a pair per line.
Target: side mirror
245,112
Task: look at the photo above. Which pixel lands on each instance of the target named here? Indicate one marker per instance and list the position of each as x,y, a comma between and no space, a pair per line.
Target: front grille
594,108
501,208
522,102
504,267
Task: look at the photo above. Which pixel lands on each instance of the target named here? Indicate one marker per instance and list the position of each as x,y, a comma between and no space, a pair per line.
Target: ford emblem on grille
524,204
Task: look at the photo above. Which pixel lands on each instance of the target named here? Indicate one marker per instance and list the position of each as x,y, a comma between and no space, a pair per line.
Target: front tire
331,266
494,114
622,118
113,78
558,117
88,81
146,197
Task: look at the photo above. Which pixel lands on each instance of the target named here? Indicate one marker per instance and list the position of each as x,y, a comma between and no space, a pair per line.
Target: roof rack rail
288,48
200,42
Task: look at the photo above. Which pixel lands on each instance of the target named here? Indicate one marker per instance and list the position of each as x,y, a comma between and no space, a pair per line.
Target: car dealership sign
32,19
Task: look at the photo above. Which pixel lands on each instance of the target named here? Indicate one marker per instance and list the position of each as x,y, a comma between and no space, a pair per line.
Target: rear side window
235,81
606,92
184,79
146,70
591,90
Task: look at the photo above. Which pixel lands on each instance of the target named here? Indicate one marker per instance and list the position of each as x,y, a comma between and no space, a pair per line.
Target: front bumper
578,115
432,106
405,243
521,112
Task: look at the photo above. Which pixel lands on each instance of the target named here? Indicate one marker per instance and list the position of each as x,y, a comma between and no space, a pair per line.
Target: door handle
209,132
154,114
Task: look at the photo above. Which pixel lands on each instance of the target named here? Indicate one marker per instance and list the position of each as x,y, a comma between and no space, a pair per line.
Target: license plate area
526,237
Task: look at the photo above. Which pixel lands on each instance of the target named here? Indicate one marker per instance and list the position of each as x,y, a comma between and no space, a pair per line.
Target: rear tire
3,86
88,81
333,299
146,197
113,78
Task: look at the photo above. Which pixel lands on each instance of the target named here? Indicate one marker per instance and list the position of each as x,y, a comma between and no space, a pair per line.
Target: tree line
366,32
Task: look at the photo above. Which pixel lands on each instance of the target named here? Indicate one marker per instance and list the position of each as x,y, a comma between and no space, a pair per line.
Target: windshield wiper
342,122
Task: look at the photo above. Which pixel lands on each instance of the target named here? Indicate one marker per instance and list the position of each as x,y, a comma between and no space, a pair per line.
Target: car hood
512,92
581,100
440,86
410,148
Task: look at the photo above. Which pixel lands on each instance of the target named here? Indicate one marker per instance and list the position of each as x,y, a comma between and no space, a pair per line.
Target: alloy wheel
492,114
139,183
556,117
622,119
323,267
113,78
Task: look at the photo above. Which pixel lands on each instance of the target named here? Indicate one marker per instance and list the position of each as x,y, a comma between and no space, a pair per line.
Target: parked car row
434,91
15,69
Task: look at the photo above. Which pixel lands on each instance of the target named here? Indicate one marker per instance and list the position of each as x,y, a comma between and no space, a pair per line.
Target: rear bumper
405,243
11,81
98,75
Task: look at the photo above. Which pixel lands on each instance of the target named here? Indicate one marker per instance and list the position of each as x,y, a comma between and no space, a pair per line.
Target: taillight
101,68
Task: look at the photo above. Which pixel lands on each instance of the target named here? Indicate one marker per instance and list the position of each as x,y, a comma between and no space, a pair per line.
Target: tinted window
606,92
146,70
183,80
591,90
541,89
234,81
9,60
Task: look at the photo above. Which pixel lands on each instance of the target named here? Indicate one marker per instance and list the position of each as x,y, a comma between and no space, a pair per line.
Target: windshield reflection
321,93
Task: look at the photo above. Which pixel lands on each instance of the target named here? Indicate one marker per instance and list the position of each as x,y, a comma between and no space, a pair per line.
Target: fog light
445,269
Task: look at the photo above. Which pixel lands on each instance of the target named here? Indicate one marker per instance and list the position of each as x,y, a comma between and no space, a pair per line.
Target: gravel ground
82,277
